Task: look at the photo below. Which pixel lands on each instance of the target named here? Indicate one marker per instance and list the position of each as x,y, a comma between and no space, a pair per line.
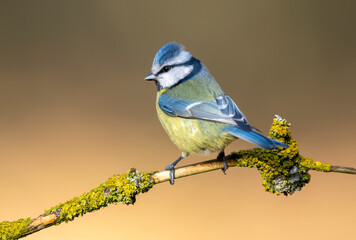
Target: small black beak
150,77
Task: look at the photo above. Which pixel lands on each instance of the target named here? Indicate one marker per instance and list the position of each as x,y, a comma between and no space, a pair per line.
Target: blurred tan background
74,110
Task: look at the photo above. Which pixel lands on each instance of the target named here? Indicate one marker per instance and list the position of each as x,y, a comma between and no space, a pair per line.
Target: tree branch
283,171
215,164
339,169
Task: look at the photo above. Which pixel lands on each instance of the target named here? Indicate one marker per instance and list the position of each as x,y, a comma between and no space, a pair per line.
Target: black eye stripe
190,62
165,69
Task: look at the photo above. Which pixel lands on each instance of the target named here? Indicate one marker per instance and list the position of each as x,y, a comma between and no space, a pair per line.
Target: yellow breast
193,135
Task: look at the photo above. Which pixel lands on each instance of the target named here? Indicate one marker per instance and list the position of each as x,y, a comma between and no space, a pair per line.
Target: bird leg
171,168
221,157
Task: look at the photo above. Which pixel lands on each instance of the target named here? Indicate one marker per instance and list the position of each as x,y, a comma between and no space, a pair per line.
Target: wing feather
223,110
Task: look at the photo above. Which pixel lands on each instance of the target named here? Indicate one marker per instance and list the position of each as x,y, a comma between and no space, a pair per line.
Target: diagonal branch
339,169
215,164
283,171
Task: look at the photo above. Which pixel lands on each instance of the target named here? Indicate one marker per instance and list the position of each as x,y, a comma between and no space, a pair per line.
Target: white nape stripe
182,57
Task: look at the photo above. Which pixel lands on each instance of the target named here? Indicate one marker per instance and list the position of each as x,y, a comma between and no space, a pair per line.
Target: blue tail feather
254,138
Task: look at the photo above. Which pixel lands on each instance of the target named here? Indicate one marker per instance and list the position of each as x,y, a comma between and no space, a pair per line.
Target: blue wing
254,138
223,110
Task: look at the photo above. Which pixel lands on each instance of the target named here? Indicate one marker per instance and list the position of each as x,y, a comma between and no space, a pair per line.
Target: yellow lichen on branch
283,171
121,188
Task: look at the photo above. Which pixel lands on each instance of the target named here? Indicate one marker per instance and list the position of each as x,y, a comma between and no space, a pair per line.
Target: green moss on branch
14,229
283,171
117,189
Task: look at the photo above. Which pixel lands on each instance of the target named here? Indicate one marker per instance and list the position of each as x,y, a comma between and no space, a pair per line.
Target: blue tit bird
196,114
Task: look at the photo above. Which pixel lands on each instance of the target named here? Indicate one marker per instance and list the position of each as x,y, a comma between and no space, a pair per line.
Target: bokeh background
74,110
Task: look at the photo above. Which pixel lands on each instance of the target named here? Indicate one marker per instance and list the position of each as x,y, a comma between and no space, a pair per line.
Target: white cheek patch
176,74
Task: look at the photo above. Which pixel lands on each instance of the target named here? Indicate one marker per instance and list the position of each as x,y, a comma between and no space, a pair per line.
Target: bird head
171,65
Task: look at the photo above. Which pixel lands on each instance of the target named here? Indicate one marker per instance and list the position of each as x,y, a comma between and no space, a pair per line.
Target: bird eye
166,69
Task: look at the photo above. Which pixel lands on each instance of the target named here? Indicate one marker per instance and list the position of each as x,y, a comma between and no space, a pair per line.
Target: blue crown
167,52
